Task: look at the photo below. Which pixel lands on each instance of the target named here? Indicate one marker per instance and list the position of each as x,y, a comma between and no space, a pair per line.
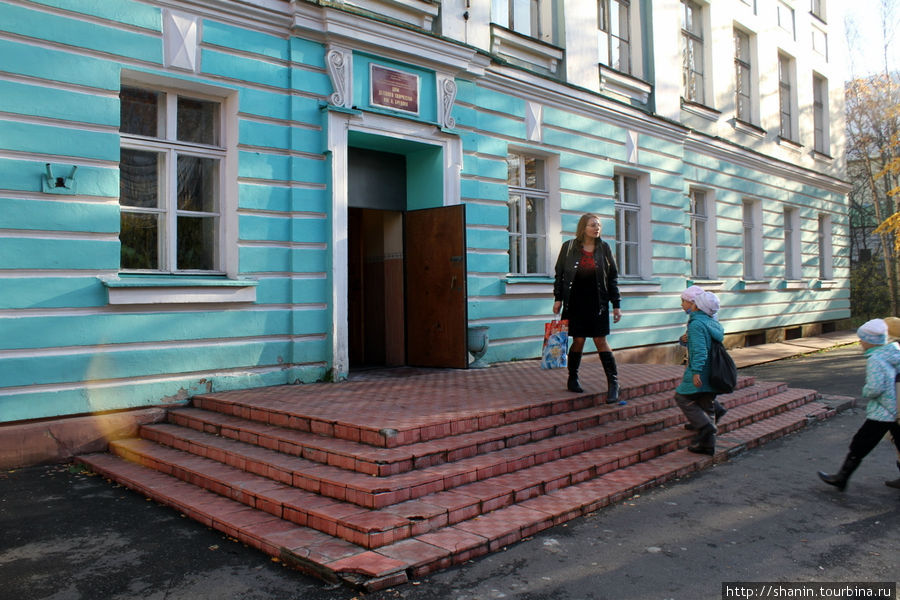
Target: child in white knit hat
882,365
709,300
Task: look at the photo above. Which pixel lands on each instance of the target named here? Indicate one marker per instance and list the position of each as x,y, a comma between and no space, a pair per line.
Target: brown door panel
436,315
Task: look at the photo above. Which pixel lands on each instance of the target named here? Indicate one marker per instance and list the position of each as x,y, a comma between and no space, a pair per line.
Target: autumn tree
873,162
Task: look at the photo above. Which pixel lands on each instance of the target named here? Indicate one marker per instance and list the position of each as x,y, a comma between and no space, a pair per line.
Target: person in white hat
882,365
691,294
695,395
893,327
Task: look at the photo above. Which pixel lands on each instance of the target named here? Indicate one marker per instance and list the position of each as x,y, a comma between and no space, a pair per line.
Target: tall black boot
896,482
839,479
612,376
705,442
574,363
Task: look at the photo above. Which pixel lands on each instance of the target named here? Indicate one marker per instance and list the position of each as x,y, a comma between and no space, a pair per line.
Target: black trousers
870,433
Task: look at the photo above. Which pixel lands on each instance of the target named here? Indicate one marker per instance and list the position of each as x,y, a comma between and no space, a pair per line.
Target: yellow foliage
891,226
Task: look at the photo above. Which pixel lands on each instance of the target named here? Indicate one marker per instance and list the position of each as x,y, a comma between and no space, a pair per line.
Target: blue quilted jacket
700,330
881,369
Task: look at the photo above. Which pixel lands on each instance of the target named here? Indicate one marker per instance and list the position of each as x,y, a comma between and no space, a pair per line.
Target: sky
864,50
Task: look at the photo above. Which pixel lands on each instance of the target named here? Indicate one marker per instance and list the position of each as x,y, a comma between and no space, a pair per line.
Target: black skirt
587,318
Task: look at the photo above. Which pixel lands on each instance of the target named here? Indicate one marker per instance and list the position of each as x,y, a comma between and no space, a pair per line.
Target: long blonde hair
582,225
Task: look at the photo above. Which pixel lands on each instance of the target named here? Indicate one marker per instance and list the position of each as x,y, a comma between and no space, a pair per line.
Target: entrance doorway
406,268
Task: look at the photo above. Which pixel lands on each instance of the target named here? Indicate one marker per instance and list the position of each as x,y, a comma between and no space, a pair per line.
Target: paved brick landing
399,473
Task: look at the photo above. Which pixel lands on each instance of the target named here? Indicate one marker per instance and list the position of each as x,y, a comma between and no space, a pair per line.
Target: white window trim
793,267
825,236
553,222
711,238
825,150
705,37
144,288
645,232
754,279
754,116
794,135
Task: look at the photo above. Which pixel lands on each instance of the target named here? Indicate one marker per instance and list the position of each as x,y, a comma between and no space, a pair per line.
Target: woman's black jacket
607,273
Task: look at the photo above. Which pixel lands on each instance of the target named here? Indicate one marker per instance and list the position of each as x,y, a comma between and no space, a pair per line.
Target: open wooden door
436,316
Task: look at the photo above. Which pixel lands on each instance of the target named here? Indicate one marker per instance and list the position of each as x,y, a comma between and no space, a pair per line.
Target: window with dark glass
528,195
628,225
169,182
699,225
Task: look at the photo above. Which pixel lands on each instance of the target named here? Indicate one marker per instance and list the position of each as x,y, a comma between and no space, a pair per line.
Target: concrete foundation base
58,440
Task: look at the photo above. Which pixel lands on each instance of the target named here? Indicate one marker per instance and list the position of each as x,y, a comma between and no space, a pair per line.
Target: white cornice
529,86
272,16
336,27
721,149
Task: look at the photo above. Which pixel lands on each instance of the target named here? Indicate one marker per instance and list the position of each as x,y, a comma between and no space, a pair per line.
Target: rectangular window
531,18
692,72
791,244
826,251
628,225
820,115
786,18
170,188
819,41
742,77
528,198
817,8
750,243
786,97
614,27
699,234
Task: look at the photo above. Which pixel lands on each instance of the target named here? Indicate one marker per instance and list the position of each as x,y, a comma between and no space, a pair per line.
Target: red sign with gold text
393,89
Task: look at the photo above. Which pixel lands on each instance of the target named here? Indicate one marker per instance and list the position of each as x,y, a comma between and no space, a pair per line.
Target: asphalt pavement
761,517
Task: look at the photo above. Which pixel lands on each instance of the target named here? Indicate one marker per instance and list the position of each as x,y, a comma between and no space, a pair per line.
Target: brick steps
437,422
382,462
378,492
332,558
459,470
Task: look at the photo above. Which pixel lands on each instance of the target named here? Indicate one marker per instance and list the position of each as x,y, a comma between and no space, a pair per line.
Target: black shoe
711,451
895,483
719,410
705,441
572,385
612,395
839,479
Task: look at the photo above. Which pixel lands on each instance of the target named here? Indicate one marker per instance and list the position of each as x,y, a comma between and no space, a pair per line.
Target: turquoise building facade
221,195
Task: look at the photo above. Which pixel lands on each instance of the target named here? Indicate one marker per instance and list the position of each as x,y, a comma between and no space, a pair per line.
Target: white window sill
525,50
825,284
632,287
178,290
701,110
793,284
627,86
709,285
529,284
753,285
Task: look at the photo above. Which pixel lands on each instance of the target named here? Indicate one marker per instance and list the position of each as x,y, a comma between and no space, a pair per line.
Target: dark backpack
722,370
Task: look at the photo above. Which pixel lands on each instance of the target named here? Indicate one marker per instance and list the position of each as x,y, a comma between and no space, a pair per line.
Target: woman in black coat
586,284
